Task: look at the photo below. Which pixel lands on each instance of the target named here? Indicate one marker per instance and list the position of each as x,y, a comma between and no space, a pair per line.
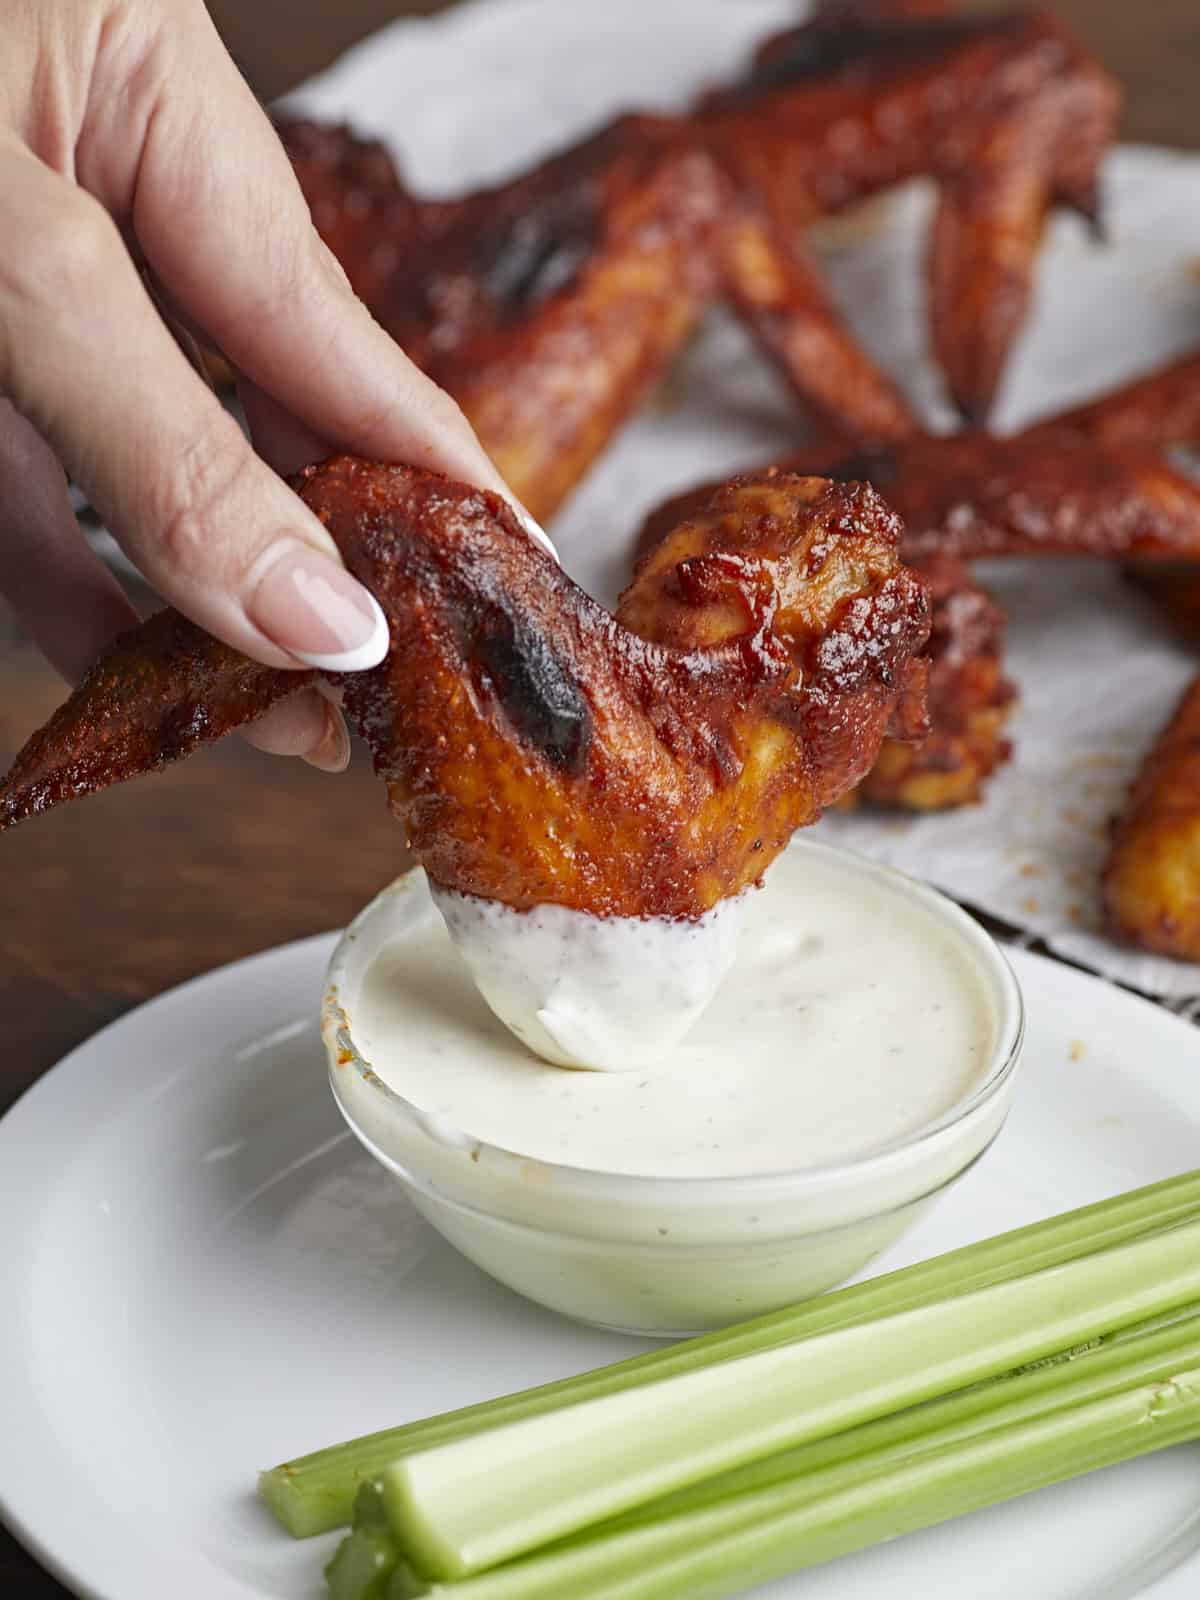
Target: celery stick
461,1507
364,1562
1131,1355
887,1478
315,1493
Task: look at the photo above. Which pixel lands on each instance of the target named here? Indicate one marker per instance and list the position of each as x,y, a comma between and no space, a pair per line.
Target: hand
132,151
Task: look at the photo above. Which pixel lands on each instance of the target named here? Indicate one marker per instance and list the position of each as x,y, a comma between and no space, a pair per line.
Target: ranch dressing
851,1018
607,994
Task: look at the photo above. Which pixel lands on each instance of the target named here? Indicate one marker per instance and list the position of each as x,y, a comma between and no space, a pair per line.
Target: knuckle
201,504
69,242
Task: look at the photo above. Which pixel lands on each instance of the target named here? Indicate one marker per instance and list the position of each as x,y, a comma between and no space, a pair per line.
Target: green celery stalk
886,1478
968,1411
315,1493
364,1562
464,1506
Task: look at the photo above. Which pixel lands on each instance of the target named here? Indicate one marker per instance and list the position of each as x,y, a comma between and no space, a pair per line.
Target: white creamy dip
853,1016
611,994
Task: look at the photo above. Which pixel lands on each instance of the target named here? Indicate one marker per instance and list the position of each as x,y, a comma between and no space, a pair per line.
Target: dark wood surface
112,901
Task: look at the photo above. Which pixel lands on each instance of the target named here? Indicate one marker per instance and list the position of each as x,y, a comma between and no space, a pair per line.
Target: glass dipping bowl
663,1256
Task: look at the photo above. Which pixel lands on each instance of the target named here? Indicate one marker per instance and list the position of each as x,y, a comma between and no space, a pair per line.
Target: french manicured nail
333,752
317,612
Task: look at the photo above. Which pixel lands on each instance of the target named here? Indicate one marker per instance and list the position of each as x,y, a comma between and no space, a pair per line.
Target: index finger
220,217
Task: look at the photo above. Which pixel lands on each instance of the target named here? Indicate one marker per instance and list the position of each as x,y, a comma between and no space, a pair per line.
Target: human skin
144,197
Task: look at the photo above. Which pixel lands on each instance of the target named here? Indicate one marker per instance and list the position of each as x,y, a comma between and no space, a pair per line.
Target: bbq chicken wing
1150,414
550,306
1152,876
536,748
968,698
1007,113
1089,481
969,703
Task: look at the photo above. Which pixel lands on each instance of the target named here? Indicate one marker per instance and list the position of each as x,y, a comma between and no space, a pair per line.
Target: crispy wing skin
1151,413
986,231
158,693
975,495
1152,877
547,307
1085,482
1007,113
774,286
537,748
946,760
969,703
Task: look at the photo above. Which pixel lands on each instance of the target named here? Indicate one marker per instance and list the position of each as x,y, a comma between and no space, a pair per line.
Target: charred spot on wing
535,253
536,691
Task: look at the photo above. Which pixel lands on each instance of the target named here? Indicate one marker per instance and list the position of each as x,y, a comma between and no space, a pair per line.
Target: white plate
204,1274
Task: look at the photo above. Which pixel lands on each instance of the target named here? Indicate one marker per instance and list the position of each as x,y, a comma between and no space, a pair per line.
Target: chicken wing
1047,492
1152,876
1153,412
548,307
969,703
969,699
1007,113
537,748
158,693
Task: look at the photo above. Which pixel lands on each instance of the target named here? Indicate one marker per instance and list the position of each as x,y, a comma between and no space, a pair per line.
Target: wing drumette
1087,482
536,748
969,699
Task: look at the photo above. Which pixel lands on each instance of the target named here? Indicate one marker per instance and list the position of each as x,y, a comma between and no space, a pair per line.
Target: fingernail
333,752
535,531
316,611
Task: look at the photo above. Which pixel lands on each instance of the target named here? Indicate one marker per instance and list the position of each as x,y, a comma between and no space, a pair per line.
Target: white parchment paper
484,90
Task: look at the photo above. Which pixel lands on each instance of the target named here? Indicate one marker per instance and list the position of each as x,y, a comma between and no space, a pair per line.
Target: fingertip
333,752
308,605
295,727
355,658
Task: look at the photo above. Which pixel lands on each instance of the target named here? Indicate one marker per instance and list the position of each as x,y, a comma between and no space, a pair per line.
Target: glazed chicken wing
1150,414
536,748
1047,493
968,700
549,306
1007,113
1152,877
1087,482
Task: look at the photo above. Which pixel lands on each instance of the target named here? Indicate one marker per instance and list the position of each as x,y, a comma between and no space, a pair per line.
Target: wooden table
109,902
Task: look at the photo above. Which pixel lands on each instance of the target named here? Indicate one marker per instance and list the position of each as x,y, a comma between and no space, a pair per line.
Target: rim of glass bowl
342,1051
